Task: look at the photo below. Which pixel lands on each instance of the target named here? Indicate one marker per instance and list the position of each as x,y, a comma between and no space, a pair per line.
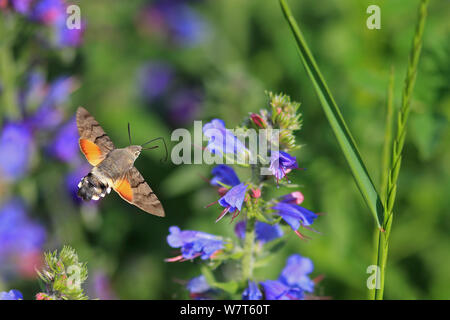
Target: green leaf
337,123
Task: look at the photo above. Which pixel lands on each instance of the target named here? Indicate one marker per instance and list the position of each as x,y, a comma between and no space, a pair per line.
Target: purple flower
276,290
232,201
280,164
48,115
16,145
295,197
193,244
50,12
65,145
69,37
295,216
102,287
185,25
295,273
175,21
183,106
154,79
11,295
22,6
252,292
224,175
20,238
264,231
222,140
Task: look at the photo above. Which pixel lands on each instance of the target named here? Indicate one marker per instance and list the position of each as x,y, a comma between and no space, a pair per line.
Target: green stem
397,148
247,259
249,242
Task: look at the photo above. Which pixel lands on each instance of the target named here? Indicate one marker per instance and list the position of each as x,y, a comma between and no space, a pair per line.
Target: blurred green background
241,49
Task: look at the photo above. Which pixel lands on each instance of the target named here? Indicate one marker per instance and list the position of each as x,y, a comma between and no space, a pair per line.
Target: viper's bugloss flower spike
63,275
232,201
252,292
295,197
281,163
295,216
276,290
295,273
224,175
221,140
11,295
193,244
264,231
16,147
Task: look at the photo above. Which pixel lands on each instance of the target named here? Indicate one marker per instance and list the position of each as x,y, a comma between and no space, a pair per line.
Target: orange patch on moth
91,151
123,187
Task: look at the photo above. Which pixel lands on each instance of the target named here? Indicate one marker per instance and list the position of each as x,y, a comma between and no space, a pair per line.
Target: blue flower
295,273
11,295
175,21
224,175
50,12
264,231
295,216
185,25
232,201
65,145
20,238
16,146
193,244
22,6
199,289
222,140
48,115
252,292
276,290
198,285
295,197
155,78
69,37
184,106
281,163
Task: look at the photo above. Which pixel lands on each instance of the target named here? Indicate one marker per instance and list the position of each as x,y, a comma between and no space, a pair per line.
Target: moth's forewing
135,190
94,142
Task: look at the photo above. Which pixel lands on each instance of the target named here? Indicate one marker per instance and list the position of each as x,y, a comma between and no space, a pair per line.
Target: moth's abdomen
92,188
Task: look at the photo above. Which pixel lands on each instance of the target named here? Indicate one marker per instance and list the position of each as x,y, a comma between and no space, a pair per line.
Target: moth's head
135,151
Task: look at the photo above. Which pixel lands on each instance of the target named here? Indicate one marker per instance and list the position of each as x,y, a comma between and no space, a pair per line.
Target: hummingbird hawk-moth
112,168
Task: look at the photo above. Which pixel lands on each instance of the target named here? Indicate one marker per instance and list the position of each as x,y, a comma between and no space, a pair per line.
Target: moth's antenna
129,133
165,147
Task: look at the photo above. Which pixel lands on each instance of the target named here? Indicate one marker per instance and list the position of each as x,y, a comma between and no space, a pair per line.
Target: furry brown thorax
99,181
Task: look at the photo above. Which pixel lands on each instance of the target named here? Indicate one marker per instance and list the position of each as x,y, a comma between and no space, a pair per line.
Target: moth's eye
136,153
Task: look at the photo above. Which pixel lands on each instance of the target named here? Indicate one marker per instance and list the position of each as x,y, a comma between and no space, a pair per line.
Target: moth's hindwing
135,190
94,142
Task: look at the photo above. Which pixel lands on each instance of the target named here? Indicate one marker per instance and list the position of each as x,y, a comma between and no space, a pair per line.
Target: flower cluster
51,14
260,231
21,240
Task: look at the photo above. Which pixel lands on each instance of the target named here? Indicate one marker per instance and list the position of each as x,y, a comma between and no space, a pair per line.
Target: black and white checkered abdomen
92,188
